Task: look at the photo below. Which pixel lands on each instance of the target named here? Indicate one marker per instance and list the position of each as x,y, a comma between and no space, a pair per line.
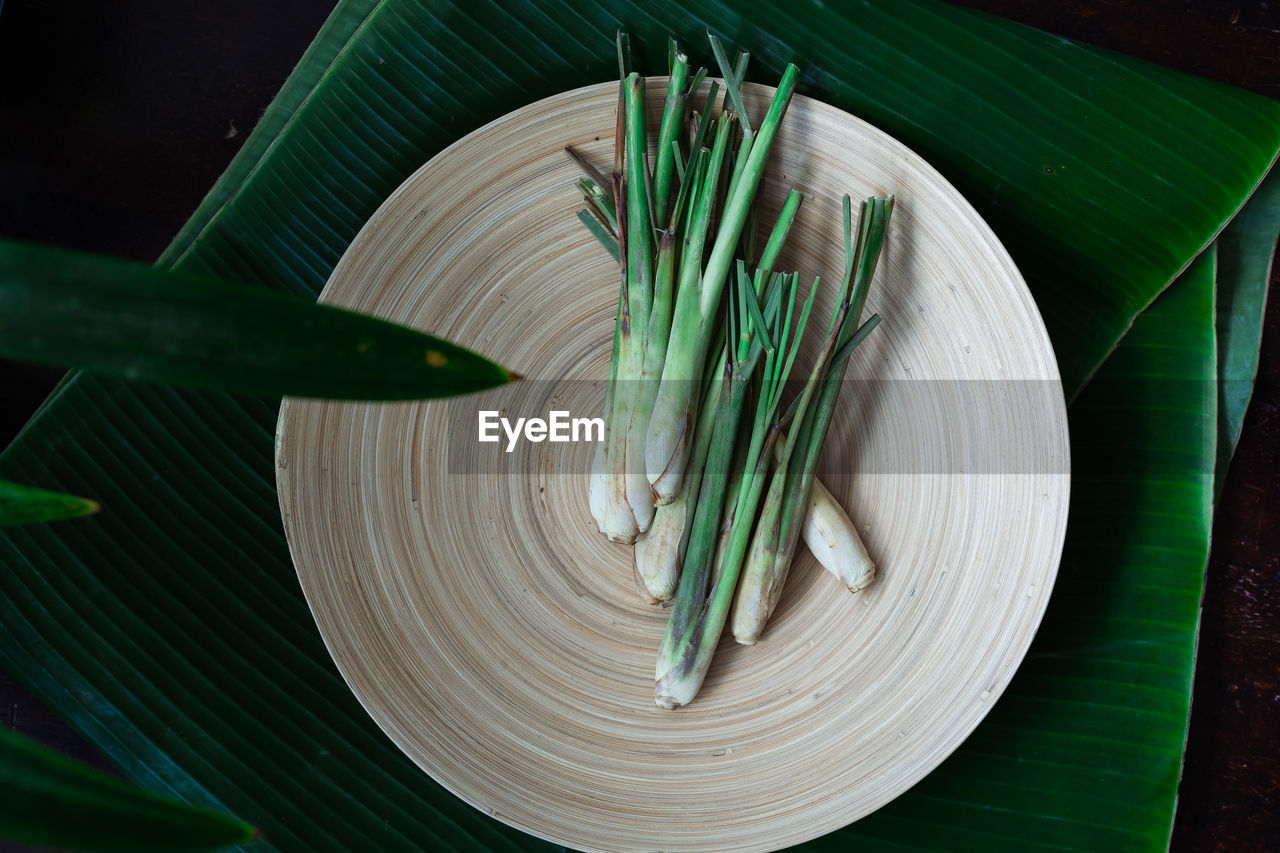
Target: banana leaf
1245,254
50,800
1088,738
171,631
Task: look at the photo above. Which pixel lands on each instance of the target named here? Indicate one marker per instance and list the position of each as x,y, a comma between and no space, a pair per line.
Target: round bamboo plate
498,638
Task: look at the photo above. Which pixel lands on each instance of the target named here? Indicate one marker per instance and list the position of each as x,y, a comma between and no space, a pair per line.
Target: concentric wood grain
498,638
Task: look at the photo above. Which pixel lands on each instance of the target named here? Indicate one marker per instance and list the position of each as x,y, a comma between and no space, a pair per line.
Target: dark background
117,117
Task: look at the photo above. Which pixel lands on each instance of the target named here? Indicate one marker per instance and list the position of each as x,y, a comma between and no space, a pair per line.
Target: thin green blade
21,504
76,310
53,801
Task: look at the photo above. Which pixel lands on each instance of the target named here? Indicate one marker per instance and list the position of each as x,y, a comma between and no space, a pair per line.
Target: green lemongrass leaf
747,243
21,504
639,240
76,310
740,67
735,308
677,159
759,327
672,119
846,349
786,324
735,211
732,81
695,81
789,413
801,325
607,240
684,194
780,326
1156,162
846,210
773,295
599,205
622,45
705,120
741,158
777,238
53,801
878,213
588,169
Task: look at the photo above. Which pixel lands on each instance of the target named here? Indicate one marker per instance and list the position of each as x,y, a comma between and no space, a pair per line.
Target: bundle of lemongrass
702,467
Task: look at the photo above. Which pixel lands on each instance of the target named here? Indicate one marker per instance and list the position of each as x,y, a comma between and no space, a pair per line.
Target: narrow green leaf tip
21,504
53,801
144,323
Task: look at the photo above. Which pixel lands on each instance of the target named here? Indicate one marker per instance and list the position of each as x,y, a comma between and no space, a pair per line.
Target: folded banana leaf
171,630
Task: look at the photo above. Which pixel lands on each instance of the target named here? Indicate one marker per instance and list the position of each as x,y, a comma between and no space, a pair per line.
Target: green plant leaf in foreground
48,799
71,309
21,504
1102,175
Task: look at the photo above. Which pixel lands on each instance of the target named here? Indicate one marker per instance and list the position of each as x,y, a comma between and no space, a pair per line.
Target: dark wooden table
117,117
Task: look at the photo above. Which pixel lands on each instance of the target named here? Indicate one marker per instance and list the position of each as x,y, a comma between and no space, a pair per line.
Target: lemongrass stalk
695,574
742,353
683,365
763,276
688,656
833,539
598,483
675,409
627,504
660,551
640,222
755,588
863,257
691,639
825,526
777,535
730,515
672,118
689,322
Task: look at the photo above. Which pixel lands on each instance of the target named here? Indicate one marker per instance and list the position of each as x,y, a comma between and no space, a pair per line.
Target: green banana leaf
1088,738
146,323
1245,253
21,504
53,801
171,631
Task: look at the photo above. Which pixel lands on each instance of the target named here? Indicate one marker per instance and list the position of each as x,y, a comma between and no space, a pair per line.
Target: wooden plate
499,640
